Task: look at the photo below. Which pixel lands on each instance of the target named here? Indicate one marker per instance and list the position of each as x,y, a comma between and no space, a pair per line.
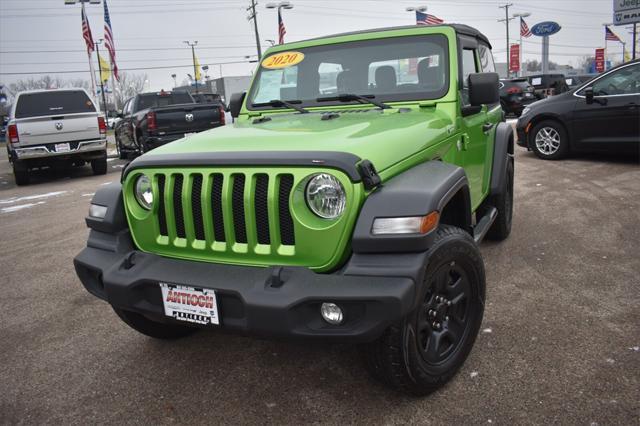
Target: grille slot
177,206
196,207
216,205
262,209
237,203
287,236
162,217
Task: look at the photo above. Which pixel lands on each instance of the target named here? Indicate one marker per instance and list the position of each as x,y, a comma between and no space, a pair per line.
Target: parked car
602,114
55,127
548,84
515,94
574,81
353,216
150,120
204,98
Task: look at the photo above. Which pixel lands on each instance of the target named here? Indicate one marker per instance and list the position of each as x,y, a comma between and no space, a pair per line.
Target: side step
483,225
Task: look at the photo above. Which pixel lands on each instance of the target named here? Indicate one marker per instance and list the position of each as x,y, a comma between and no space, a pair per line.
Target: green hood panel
382,137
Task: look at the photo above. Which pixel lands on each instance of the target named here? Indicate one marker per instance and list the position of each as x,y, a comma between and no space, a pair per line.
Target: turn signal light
405,225
222,117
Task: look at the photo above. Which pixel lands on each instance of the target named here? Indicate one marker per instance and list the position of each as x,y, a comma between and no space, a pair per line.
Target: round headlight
326,196
144,192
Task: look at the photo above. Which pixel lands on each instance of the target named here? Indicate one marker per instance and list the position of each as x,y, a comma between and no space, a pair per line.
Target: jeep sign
546,28
626,12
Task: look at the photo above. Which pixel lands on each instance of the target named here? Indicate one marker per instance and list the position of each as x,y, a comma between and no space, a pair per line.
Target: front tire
549,140
153,329
424,351
503,202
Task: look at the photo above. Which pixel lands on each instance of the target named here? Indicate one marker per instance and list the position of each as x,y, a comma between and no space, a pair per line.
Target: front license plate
63,147
190,304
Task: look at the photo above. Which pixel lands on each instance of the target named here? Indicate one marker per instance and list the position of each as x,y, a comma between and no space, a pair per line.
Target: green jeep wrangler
345,203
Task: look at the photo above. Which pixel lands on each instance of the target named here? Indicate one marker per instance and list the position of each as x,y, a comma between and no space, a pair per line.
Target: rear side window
154,100
53,103
486,59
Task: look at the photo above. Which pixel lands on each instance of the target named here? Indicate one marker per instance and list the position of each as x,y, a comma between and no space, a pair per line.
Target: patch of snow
118,166
110,160
31,197
89,194
635,348
106,183
20,207
271,404
538,184
474,374
487,330
610,360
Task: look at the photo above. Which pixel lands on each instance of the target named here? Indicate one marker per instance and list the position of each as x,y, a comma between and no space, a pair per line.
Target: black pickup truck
149,120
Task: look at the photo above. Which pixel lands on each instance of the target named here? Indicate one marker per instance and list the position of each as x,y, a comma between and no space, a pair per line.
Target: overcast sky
45,35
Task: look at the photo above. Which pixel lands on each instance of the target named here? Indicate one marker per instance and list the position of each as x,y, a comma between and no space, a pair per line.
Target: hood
382,137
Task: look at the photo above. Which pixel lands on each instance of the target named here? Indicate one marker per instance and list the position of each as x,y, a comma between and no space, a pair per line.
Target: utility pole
104,98
506,21
193,58
254,15
635,39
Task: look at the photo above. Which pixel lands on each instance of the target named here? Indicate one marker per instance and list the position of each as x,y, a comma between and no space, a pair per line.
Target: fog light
97,211
331,313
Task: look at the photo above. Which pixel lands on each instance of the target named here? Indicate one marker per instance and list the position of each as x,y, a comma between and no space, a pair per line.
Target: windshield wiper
363,99
281,103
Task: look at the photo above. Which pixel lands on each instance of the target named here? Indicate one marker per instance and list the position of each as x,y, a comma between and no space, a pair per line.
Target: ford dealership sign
547,28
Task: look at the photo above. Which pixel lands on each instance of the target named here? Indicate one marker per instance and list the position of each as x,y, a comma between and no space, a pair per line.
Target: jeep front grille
191,218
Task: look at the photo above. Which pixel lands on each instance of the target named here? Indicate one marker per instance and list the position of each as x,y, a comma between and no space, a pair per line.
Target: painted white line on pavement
32,197
20,207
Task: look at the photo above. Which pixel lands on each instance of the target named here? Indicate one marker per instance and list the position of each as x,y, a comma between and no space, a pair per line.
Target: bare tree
45,82
129,86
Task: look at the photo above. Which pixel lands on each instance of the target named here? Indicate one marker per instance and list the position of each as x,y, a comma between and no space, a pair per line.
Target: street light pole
193,58
254,16
506,21
104,98
521,16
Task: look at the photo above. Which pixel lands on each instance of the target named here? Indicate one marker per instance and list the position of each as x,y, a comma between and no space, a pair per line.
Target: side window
625,81
469,66
486,59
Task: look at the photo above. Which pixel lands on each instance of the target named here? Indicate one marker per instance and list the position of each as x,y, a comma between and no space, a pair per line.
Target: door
474,139
612,121
125,133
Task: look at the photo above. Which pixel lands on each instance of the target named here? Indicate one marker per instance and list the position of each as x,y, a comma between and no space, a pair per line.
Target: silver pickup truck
49,127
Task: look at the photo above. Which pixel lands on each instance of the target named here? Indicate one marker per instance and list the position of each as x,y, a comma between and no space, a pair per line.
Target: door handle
486,127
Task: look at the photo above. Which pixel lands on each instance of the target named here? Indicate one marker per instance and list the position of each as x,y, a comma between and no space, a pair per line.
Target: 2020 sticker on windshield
283,60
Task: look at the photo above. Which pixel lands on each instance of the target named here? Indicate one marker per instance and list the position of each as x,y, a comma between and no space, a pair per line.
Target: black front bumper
249,299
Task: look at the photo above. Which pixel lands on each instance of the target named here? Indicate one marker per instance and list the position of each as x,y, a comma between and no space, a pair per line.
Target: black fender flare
109,196
502,154
419,191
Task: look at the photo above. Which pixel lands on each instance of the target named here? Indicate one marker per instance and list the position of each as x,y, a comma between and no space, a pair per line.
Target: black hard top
459,28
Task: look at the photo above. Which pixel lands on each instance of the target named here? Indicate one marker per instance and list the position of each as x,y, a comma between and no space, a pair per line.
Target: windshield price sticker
283,60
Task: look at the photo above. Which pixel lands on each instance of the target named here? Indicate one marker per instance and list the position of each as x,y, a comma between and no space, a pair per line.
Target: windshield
392,69
55,102
153,100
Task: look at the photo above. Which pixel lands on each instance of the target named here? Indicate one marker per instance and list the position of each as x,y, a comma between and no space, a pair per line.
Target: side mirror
483,89
235,104
588,95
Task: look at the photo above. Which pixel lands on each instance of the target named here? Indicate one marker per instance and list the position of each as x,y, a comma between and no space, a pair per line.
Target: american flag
524,29
86,31
281,29
426,19
610,35
108,40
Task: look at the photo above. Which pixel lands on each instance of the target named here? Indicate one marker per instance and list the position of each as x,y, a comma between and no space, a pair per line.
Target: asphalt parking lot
559,343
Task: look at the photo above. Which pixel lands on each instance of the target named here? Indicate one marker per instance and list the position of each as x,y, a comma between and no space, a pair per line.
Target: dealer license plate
63,147
196,305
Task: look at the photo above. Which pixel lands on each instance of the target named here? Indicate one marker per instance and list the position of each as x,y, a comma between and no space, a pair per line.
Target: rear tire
153,329
421,353
121,154
501,227
20,173
99,165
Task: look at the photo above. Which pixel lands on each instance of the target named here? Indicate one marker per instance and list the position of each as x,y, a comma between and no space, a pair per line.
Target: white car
55,126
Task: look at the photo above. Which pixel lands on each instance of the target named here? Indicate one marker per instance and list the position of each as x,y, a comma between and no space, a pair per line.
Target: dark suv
515,94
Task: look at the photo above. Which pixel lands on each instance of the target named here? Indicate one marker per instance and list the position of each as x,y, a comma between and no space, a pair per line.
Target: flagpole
113,88
104,98
91,69
521,71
